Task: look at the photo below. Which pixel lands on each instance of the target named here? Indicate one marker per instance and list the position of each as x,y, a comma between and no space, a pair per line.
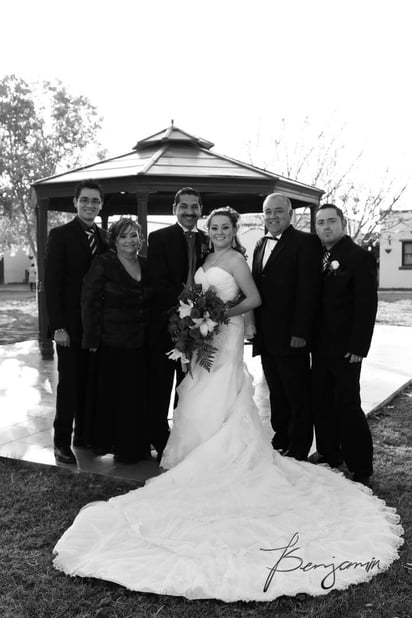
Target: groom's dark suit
67,260
344,325
289,285
168,265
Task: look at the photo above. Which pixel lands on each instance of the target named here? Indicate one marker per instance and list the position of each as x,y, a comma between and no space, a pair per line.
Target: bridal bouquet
193,324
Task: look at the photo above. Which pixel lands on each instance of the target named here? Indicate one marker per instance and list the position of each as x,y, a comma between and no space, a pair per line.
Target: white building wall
397,227
15,266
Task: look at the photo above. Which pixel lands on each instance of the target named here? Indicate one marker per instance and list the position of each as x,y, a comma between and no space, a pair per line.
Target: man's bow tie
270,237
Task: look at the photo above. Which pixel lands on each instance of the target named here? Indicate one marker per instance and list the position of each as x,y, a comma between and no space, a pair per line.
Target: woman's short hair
119,227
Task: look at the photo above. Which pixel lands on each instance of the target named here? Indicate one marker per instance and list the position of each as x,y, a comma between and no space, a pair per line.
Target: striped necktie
91,237
325,260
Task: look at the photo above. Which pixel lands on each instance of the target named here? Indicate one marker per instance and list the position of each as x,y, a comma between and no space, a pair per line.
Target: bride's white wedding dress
232,519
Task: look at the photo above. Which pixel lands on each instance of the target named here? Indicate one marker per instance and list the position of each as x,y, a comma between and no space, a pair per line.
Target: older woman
114,313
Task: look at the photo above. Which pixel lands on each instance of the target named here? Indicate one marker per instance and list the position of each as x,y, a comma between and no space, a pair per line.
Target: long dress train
232,519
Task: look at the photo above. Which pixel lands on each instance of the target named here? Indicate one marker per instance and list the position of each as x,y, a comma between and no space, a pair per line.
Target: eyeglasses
94,201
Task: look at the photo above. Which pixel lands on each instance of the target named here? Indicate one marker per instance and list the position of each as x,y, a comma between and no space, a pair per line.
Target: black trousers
72,393
288,379
341,429
161,376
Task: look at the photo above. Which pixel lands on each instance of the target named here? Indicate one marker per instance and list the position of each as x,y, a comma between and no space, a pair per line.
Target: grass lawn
395,308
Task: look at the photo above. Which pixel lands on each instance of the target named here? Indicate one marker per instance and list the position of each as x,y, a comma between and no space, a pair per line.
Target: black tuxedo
289,286
345,325
68,258
168,265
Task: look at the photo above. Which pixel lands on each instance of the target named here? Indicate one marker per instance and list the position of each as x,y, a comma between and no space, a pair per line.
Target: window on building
407,253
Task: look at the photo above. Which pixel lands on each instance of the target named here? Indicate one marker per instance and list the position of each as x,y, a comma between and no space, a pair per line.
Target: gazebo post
142,204
105,221
45,342
313,208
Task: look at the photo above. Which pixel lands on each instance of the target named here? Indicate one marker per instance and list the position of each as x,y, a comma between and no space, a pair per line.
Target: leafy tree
323,159
44,130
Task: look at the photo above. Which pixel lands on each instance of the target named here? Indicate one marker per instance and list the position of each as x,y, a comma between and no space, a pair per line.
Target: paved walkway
28,386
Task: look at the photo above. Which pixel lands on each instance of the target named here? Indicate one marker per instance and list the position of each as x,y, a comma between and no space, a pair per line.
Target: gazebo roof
173,156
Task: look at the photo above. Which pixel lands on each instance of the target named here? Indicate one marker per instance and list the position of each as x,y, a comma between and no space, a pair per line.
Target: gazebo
143,182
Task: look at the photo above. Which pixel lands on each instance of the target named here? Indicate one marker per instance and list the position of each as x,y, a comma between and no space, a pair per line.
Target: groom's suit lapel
179,246
201,244
177,250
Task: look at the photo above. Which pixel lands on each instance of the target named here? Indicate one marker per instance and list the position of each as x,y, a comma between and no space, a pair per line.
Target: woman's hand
250,327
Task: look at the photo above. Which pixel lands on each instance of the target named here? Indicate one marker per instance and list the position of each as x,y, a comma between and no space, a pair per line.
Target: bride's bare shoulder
235,257
237,261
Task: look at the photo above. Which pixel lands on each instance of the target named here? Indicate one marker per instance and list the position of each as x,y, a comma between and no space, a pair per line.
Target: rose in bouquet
193,324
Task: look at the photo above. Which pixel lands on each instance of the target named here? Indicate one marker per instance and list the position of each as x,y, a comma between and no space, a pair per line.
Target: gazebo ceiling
161,164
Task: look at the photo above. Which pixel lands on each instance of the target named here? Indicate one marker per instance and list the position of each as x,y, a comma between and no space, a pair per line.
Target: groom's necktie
270,244
190,238
91,237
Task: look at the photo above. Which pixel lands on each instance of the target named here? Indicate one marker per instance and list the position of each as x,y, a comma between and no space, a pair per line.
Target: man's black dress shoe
317,458
99,451
132,459
64,454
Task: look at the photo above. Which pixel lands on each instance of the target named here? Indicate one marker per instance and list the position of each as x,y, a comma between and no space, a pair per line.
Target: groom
174,254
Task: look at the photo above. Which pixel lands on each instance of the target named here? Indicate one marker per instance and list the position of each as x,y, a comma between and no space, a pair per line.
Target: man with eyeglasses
70,249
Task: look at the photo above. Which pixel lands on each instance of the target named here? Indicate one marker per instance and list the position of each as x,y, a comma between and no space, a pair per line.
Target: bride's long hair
234,218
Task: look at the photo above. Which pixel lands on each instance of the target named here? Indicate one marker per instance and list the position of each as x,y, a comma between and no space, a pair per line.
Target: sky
229,70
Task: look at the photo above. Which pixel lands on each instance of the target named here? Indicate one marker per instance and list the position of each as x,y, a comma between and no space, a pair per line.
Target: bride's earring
209,245
234,242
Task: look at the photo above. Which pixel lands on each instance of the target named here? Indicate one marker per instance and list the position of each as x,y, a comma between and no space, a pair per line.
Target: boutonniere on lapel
333,267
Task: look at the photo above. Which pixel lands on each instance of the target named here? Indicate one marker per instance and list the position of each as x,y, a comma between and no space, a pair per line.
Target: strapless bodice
219,278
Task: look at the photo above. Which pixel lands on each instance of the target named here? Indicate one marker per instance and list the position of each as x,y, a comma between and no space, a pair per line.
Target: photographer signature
289,561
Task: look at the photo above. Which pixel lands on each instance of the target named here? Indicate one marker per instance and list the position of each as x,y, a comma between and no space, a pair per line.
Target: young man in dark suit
286,270
70,249
174,254
344,332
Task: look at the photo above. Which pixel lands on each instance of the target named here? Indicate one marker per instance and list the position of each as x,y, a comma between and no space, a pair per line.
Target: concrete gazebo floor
28,386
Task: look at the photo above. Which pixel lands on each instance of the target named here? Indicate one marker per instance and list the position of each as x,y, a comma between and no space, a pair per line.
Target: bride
231,519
